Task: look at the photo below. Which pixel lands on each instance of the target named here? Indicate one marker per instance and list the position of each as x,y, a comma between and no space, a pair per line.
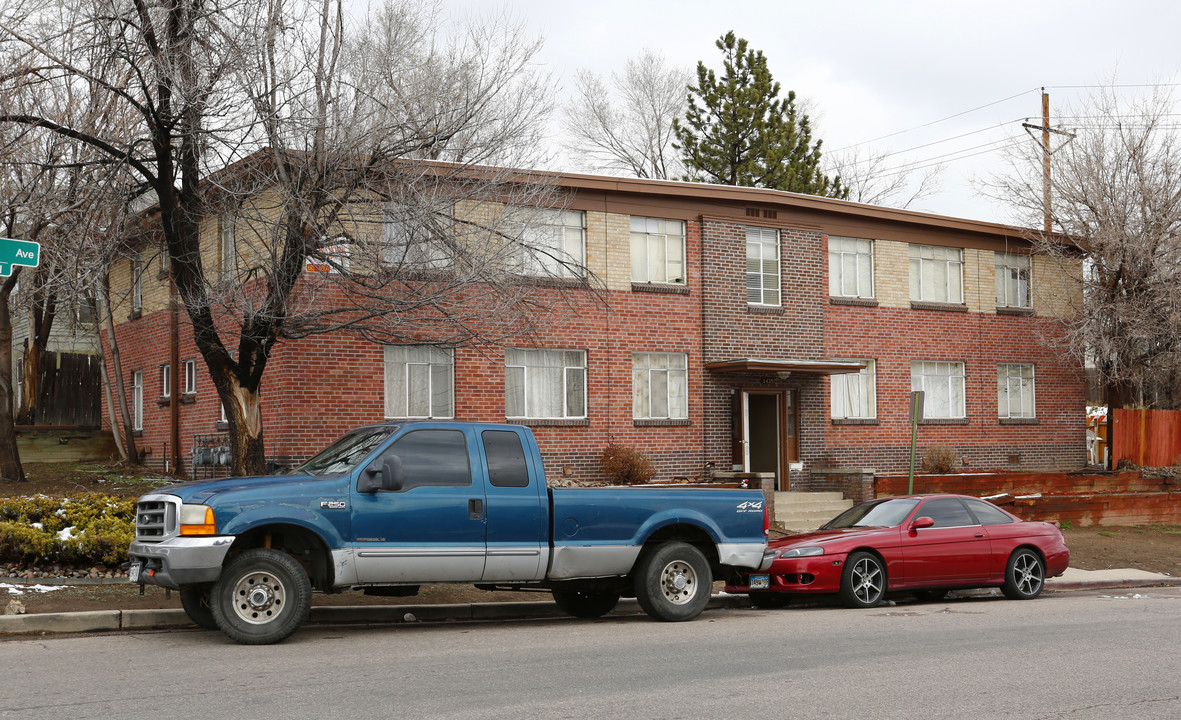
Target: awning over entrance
803,367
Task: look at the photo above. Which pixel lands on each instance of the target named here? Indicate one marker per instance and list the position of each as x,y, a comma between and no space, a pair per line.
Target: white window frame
410,245
1014,280
406,365
926,262
940,380
520,375
166,380
551,243
763,284
850,267
137,283
1016,382
137,400
19,383
190,377
853,396
657,242
660,386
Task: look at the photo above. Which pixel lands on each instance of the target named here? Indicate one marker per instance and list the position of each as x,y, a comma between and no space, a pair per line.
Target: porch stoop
806,511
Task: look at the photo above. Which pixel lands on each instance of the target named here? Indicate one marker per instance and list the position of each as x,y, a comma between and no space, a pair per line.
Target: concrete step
803,511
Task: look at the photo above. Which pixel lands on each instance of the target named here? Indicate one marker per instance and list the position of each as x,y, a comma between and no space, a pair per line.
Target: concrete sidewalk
102,620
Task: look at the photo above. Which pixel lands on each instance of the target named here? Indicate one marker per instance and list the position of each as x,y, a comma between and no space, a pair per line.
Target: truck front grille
156,518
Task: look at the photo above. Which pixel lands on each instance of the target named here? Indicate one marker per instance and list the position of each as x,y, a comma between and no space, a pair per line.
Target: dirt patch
1155,548
66,479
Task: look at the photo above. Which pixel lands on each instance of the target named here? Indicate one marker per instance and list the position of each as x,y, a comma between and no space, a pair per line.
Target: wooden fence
1149,438
69,390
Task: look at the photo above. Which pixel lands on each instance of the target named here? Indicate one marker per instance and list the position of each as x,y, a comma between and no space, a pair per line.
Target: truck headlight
197,520
802,552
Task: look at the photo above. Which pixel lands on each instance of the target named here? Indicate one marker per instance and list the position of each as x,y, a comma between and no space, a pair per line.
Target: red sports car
925,544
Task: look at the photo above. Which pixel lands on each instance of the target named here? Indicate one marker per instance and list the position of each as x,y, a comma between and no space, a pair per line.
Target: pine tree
737,130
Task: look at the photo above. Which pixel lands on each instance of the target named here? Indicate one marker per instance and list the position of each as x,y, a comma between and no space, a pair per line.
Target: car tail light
766,521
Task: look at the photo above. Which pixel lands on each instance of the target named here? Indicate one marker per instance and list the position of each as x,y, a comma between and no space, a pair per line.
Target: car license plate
760,582
133,572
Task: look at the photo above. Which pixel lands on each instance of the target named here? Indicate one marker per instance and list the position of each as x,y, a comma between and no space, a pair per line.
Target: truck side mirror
386,474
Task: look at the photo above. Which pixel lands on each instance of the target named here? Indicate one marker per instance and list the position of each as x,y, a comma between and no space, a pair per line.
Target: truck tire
582,604
261,598
673,582
195,601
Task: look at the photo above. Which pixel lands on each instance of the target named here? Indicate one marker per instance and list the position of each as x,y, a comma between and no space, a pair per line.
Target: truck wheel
582,604
195,600
262,597
673,582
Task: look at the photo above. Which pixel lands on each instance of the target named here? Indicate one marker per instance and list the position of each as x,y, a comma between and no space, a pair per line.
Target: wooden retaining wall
63,444
1124,498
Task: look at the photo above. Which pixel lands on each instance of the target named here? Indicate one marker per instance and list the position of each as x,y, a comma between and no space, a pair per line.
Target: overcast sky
929,71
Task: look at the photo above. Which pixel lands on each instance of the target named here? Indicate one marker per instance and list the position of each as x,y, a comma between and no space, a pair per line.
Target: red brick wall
894,337
316,388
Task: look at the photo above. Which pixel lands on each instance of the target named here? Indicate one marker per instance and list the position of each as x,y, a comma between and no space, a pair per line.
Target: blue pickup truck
389,507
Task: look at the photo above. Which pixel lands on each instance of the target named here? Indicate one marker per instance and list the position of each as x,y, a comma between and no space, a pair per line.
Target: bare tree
1116,196
877,178
626,125
319,137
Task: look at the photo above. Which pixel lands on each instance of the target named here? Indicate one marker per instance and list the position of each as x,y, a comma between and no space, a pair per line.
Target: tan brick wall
891,273
616,246
1057,286
979,280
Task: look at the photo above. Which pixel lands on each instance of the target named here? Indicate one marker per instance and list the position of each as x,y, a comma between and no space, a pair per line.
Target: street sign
18,252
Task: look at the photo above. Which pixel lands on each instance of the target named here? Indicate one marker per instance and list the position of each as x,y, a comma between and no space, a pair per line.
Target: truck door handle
475,509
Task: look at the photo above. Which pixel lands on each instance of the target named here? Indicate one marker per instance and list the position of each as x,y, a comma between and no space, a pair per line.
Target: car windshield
344,454
875,513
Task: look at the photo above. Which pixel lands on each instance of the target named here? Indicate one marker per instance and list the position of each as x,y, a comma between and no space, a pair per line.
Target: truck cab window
506,458
433,457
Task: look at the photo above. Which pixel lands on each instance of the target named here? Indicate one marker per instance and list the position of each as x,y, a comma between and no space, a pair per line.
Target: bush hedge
90,529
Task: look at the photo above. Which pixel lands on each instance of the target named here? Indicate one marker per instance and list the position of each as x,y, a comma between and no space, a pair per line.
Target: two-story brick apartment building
717,328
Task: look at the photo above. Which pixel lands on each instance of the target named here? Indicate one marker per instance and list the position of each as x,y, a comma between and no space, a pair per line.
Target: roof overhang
803,367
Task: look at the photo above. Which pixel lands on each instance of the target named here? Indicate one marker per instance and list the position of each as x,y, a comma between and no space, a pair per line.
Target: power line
936,122
926,145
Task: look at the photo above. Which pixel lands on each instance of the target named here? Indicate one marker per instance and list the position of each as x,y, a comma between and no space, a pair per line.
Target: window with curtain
657,250
1012,280
936,274
943,383
850,267
544,384
1015,390
854,395
552,243
419,382
412,242
660,386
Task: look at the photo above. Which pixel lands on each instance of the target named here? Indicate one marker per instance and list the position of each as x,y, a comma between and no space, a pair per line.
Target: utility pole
1046,153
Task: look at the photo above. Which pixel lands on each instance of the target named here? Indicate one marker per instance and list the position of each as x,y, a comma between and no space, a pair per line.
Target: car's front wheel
262,597
863,580
1025,575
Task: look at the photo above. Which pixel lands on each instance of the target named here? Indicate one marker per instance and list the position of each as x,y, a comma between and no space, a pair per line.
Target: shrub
626,465
940,458
91,529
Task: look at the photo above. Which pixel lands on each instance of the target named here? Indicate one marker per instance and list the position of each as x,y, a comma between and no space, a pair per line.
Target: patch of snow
22,589
67,534
39,526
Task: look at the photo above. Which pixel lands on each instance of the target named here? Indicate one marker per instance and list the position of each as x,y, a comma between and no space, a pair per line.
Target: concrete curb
107,620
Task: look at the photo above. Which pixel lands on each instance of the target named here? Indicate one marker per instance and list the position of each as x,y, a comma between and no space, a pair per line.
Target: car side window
433,457
946,512
987,513
506,458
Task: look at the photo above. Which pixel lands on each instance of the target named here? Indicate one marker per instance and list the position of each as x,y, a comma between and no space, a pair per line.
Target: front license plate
133,572
760,582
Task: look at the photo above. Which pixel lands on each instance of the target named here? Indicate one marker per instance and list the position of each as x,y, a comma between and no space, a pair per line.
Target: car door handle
979,535
475,509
